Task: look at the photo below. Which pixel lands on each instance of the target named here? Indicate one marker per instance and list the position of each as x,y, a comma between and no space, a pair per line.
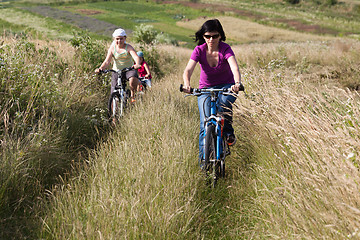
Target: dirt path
83,22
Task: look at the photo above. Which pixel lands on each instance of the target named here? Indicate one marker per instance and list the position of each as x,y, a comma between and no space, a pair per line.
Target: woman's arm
189,69
107,60
136,58
146,66
235,70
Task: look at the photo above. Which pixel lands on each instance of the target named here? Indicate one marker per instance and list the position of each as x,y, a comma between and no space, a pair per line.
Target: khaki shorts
114,77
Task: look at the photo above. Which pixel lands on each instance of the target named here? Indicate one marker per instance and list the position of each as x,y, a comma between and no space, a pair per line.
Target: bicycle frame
120,94
216,120
121,82
213,156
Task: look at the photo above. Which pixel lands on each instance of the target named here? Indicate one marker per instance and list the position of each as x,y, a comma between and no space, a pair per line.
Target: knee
133,80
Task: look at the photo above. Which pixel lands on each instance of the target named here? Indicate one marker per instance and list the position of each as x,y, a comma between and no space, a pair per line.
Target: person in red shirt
144,70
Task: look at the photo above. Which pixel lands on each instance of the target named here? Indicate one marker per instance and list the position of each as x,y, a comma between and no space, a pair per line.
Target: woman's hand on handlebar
98,70
237,87
136,66
186,89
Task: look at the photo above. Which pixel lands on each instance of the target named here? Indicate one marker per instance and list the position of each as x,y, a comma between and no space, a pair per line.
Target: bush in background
146,34
90,52
292,1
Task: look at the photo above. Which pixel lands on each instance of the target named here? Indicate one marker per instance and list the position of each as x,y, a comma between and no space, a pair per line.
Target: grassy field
127,16
66,174
172,17
292,175
307,16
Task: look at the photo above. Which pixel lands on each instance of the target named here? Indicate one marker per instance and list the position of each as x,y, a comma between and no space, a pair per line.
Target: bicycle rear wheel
211,166
117,106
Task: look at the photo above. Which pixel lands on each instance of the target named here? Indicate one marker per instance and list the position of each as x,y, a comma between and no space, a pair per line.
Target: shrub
292,1
165,38
146,34
91,52
331,2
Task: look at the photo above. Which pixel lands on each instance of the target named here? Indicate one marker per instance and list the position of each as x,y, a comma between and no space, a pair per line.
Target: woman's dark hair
212,25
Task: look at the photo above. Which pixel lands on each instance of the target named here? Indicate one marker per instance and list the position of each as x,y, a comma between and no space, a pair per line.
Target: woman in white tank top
123,55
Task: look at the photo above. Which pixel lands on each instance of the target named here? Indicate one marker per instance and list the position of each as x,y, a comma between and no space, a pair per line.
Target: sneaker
231,140
133,100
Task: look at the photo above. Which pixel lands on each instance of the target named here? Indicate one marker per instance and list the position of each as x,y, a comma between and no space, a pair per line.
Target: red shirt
142,71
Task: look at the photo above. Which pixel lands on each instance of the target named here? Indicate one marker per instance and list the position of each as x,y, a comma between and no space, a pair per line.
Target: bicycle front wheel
211,166
117,106
226,151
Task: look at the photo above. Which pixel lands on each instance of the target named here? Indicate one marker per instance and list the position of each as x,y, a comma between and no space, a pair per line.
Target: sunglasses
212,36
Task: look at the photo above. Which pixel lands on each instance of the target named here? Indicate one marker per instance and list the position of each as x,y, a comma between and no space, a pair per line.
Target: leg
225,107
133,83
132,76
204,111
114,78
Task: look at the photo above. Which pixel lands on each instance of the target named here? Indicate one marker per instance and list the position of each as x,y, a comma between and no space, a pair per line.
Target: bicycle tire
222,161
116,106
211,166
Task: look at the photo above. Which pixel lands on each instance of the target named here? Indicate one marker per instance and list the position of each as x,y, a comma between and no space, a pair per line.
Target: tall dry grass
300,131
143,181
50,115
293,174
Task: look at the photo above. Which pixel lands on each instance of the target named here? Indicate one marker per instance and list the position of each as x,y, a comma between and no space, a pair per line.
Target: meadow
65,173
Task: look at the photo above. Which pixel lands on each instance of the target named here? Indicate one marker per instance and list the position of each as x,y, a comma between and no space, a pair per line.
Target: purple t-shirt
212,76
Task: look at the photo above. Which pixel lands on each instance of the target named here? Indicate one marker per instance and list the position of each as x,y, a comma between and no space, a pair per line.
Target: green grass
342,18
19,21
128,15
9,27
15,19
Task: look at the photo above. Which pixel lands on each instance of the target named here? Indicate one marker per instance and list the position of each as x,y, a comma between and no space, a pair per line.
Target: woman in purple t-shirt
219,69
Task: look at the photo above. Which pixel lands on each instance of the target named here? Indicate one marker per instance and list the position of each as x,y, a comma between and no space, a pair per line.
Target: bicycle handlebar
198,91
118,71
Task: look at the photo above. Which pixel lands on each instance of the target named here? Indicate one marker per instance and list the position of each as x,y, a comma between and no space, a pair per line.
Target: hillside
65,173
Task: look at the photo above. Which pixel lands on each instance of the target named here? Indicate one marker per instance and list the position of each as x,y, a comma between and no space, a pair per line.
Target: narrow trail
83,22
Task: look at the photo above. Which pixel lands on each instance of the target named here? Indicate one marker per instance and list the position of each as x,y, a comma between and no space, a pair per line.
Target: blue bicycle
215,147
